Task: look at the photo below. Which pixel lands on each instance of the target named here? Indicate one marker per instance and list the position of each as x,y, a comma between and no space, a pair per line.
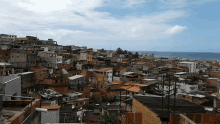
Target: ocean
185,55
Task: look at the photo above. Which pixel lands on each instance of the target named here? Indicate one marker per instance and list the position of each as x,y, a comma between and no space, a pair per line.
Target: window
76,104
61,80
6,55
183,96
56,81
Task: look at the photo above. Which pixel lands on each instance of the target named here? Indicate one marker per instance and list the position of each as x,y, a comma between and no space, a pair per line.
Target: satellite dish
73,106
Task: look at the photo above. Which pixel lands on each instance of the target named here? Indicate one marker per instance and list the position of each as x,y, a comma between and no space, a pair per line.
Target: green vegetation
111,119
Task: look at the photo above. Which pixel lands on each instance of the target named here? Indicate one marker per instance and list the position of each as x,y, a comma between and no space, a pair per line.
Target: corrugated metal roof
75,77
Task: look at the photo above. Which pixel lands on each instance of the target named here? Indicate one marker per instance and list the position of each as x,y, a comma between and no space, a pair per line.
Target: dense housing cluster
43,82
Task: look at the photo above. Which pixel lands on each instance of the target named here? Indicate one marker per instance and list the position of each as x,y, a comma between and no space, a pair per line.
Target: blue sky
143,25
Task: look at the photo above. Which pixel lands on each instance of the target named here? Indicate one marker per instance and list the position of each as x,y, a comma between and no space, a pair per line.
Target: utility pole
112,71
126,103
120,103
169,98
2,91
162,95
175,97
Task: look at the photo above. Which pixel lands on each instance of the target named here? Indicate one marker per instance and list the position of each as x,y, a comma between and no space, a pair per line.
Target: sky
134,25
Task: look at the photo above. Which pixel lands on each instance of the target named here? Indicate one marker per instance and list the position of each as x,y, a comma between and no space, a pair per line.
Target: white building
83,56
186,86
148,56
79,65
181,75
59,60
190,65
166,88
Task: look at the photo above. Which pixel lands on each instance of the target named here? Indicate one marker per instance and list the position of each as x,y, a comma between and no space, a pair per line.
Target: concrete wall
13,87
83,56
52,116
27,80
80,80
18,56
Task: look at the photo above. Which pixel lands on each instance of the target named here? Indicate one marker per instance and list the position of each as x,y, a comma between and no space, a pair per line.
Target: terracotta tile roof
134,89
180,68
84,73
130,83
92,63
140,63
125,87
51,107
216,66
38,69
116,81
124,62
104,69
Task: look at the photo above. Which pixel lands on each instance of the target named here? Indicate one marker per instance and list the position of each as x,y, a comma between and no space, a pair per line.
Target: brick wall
61,90
131,118
195,118
148,116
80,103
22,115
56,82
90,118
65,66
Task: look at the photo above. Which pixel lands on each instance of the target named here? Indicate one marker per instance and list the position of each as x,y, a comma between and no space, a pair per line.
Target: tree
119,50
111,119
136,55
102,50
125,51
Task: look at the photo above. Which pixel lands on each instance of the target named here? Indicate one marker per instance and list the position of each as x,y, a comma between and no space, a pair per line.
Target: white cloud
61,21
133,3
45,6
175,3
185,3
175,30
